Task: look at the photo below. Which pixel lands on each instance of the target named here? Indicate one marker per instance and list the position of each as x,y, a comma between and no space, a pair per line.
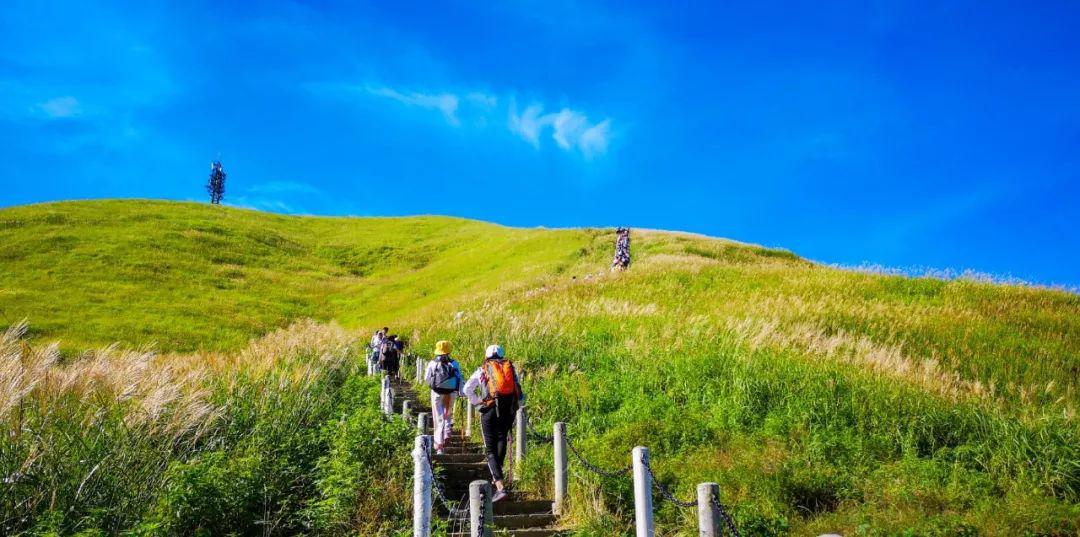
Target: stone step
522,507
522,521
525,532
455,450
463,472
470,457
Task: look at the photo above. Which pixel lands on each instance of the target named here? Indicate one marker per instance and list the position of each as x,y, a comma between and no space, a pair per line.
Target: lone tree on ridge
216,185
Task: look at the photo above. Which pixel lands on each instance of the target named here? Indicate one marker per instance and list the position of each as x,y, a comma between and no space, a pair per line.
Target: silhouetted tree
216,185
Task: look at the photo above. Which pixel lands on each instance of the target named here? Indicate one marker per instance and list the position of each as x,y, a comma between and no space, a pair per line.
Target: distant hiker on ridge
443,376
622,249
495,390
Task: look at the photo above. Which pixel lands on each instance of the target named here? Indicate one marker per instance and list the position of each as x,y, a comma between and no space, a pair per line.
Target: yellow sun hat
442,347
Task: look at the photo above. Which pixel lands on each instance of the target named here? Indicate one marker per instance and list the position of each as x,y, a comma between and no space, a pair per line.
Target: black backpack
444,378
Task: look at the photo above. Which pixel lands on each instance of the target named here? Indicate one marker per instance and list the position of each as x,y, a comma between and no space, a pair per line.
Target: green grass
820,399
188,276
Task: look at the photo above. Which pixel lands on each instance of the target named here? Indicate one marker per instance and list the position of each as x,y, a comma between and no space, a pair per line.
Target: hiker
621,260
495,390
373,349
443,376
390,356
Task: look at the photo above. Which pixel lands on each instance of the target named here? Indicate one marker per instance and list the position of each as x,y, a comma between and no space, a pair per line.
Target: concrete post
481,512
422,480
419,370
405,409
519,438
385,393
708,516
389,410
561,475
469,411
643,508
422,422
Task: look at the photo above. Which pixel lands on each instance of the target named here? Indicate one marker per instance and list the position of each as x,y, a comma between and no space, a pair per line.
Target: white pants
442,416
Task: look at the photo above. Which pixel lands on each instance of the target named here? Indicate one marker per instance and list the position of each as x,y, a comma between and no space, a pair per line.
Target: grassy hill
820,399
187,276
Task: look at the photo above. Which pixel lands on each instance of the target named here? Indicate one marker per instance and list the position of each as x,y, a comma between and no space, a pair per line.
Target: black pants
495,424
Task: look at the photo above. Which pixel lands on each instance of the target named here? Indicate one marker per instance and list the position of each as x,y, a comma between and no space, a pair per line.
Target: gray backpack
444,378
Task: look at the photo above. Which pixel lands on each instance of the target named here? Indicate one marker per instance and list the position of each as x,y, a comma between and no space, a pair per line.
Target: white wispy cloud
570,129
263,204
482,99
60,107
447,103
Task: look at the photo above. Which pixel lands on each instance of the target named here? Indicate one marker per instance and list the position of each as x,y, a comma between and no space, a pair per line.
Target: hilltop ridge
168,274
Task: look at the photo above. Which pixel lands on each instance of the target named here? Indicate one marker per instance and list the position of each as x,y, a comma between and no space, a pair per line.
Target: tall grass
252,443
819,399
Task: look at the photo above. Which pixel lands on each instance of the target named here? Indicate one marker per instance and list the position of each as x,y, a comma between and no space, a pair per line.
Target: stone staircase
462,462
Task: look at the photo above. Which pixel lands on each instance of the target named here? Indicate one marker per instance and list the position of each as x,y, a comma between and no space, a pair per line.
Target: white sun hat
493,350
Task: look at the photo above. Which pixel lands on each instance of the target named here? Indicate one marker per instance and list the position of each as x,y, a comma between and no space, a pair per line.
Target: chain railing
667,494
537,436
436,488
728,521
455,513
592,467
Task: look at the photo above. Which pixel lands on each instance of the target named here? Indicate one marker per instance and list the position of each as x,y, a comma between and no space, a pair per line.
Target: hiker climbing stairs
462,463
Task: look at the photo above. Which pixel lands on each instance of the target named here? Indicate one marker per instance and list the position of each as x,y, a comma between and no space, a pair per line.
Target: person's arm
472,387
460,378
427,372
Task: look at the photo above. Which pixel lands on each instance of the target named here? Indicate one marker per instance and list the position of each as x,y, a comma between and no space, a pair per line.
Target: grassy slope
188,276
819,398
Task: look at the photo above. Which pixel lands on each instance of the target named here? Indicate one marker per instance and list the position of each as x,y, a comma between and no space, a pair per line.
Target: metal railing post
561,475
708,516
481,512
422,422
643,506
519,438
422,480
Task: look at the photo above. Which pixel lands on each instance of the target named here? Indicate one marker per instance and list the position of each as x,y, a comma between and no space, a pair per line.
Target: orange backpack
500,381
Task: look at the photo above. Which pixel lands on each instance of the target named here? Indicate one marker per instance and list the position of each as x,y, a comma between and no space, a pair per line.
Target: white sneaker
439,452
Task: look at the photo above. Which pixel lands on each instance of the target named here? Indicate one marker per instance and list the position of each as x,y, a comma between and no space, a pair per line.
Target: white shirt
376,341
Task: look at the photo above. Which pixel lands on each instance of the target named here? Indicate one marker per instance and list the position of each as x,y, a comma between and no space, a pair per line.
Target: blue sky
939,134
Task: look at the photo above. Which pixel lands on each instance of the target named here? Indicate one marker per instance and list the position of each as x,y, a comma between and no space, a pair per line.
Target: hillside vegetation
820,399
187,276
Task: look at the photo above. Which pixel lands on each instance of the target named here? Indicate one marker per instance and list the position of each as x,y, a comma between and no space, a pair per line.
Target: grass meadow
822,400
283,437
